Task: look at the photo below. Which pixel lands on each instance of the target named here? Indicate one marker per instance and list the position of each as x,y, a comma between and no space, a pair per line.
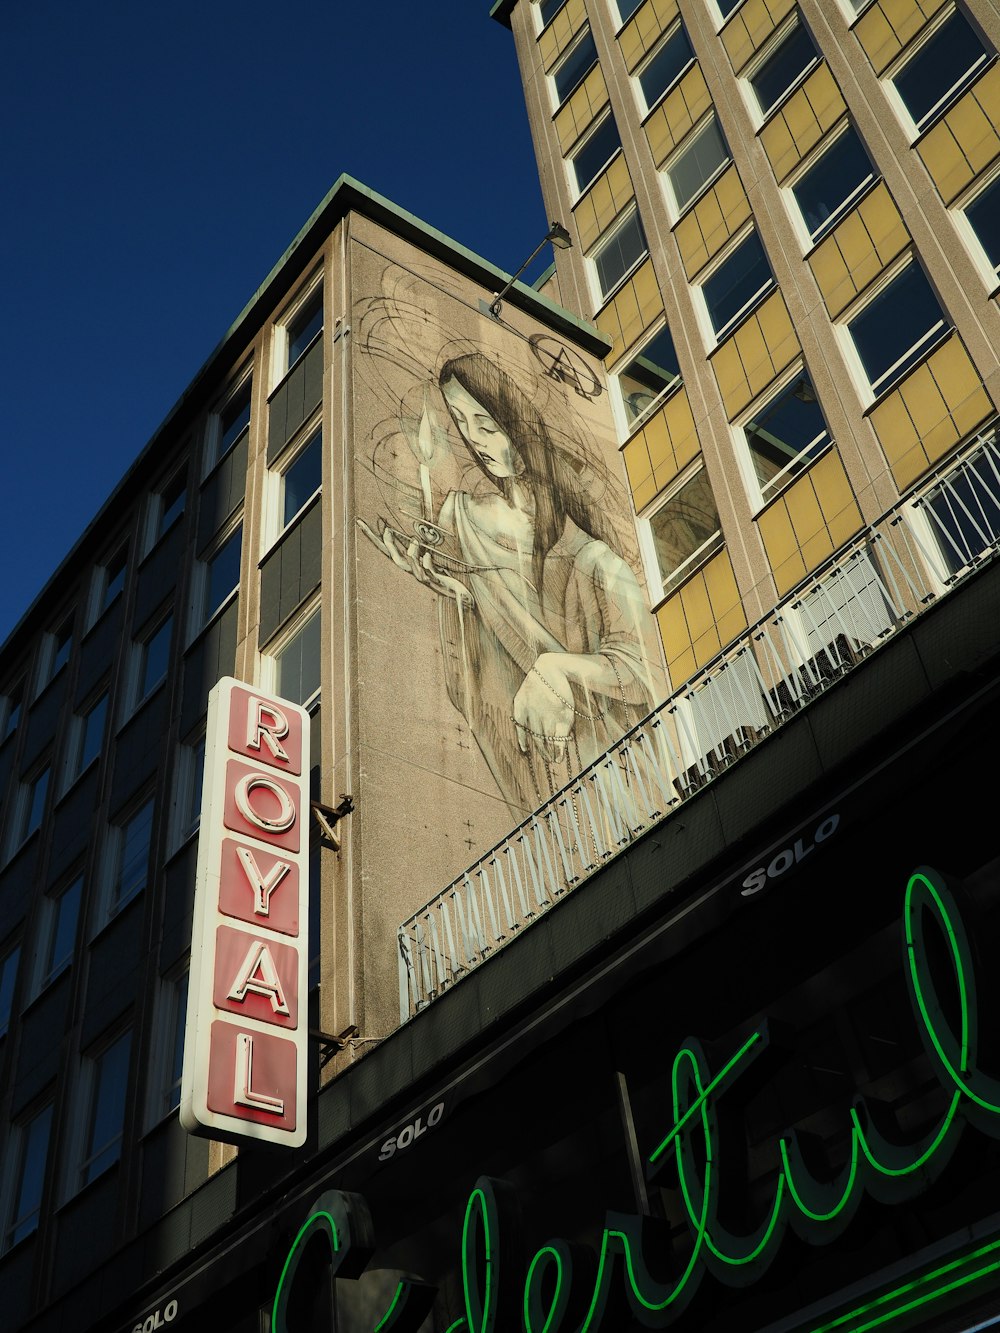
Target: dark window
154,658
223,574
62,646
114,576
234,420
945,62
131,857
697,163
172,501
576,64
303,328
297,663
14,697
86,739
619,253
548,9
737,283
984,215
894,331
666,67
791,58
685,529
646,376
598,150
175,1053
832,184
726,7
303,478
106,1113
36,802
56,952
626,8
8,976
33,1151
786,435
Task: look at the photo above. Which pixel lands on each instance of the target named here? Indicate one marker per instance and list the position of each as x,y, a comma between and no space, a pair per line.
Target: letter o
782,862
828,827
405,1137
249,783
170,1311
150,1323
434,1115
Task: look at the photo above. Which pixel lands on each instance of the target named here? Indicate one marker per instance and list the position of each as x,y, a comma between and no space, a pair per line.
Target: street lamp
559,237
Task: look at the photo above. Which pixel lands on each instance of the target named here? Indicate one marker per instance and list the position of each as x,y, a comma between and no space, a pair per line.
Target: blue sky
157,160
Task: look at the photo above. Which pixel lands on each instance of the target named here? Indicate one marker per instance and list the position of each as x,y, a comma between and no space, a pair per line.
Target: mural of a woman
550,619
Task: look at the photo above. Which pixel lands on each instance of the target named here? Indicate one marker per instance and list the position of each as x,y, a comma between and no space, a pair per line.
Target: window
170,504
190,781
86,735
941,66
736,283
8,976
57,937
666,65
233,421
10,709
699,161
31,1151
301,479
152,659
833,182
626,8
222,573
984,218
62,646
590,159
895,330
165,1085
571,70
111,579
548,9
128,846
27,809
786,434
726,7
297,663
106,1077
619,253
782,69
648,375
303,327
683,530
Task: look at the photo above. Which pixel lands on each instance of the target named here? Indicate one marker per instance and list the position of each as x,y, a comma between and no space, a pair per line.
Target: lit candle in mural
424,449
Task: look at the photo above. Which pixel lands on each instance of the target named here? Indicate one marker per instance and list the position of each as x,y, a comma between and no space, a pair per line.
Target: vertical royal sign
245,1038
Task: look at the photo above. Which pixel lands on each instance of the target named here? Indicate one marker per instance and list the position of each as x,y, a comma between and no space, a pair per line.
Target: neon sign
565,1289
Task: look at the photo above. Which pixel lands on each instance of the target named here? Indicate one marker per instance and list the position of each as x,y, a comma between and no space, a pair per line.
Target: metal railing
862,596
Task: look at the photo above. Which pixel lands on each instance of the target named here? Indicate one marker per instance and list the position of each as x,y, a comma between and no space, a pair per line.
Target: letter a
262,886
257,973
243,1093
271,731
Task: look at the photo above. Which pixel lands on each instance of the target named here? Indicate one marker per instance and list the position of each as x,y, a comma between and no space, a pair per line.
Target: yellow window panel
682,668
816,549
779,145
777,535
885,226
832,276
885,28
833,490
677,112
958,382
757,364
721,584
576,114
658,135
680,423
779,336
908,466
645,492
560,32
803,120
939,438
628,313
610,325
945,162
637,462
603,202
640,35
894,429
585,217
732,382
691,243
973,410
803,509
922,400
756,20
697,607
845,524
674,632
732,198
731,625
658,445
706,646
648,296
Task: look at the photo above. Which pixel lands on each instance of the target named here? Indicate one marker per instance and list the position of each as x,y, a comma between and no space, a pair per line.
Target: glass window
943,64
154,658
61,648
297,665
736,283
619,253
548,9
190,781
894,331
304,326
685,529
785,435
665,66
626,8
726,7
114,577
8,976
59,932
700,159
131,841
32,1155
222,573
172,499
648,374
234,419
105,1118
596,152
36,802
174,1016
302,479
782,68
86,738
984,217
832,184
12,713
578,62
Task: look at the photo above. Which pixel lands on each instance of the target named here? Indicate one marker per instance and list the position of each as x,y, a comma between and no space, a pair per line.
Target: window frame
676,29
88,1154
10,957
116,869
75,763
932,28
281,366
161,518
812,161
543,22
276,524
171,1010
17,1147
604,241
139,687
676,209
189,775
629,426
717,336
268,657
20,827
48,969
584,35
578,190
761,114
201,615
663,586
785,476
989,180
12,706
104,593
214,433
871,392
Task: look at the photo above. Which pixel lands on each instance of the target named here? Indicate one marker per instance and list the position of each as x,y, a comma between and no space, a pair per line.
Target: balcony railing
914,554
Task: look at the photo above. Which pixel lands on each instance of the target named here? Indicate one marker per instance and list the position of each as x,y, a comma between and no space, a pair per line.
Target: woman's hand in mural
543,709
416,560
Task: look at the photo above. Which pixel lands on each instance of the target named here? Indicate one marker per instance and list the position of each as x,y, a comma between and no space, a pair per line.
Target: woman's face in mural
490,444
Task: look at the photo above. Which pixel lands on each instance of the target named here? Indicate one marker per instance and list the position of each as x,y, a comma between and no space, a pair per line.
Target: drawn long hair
548,473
